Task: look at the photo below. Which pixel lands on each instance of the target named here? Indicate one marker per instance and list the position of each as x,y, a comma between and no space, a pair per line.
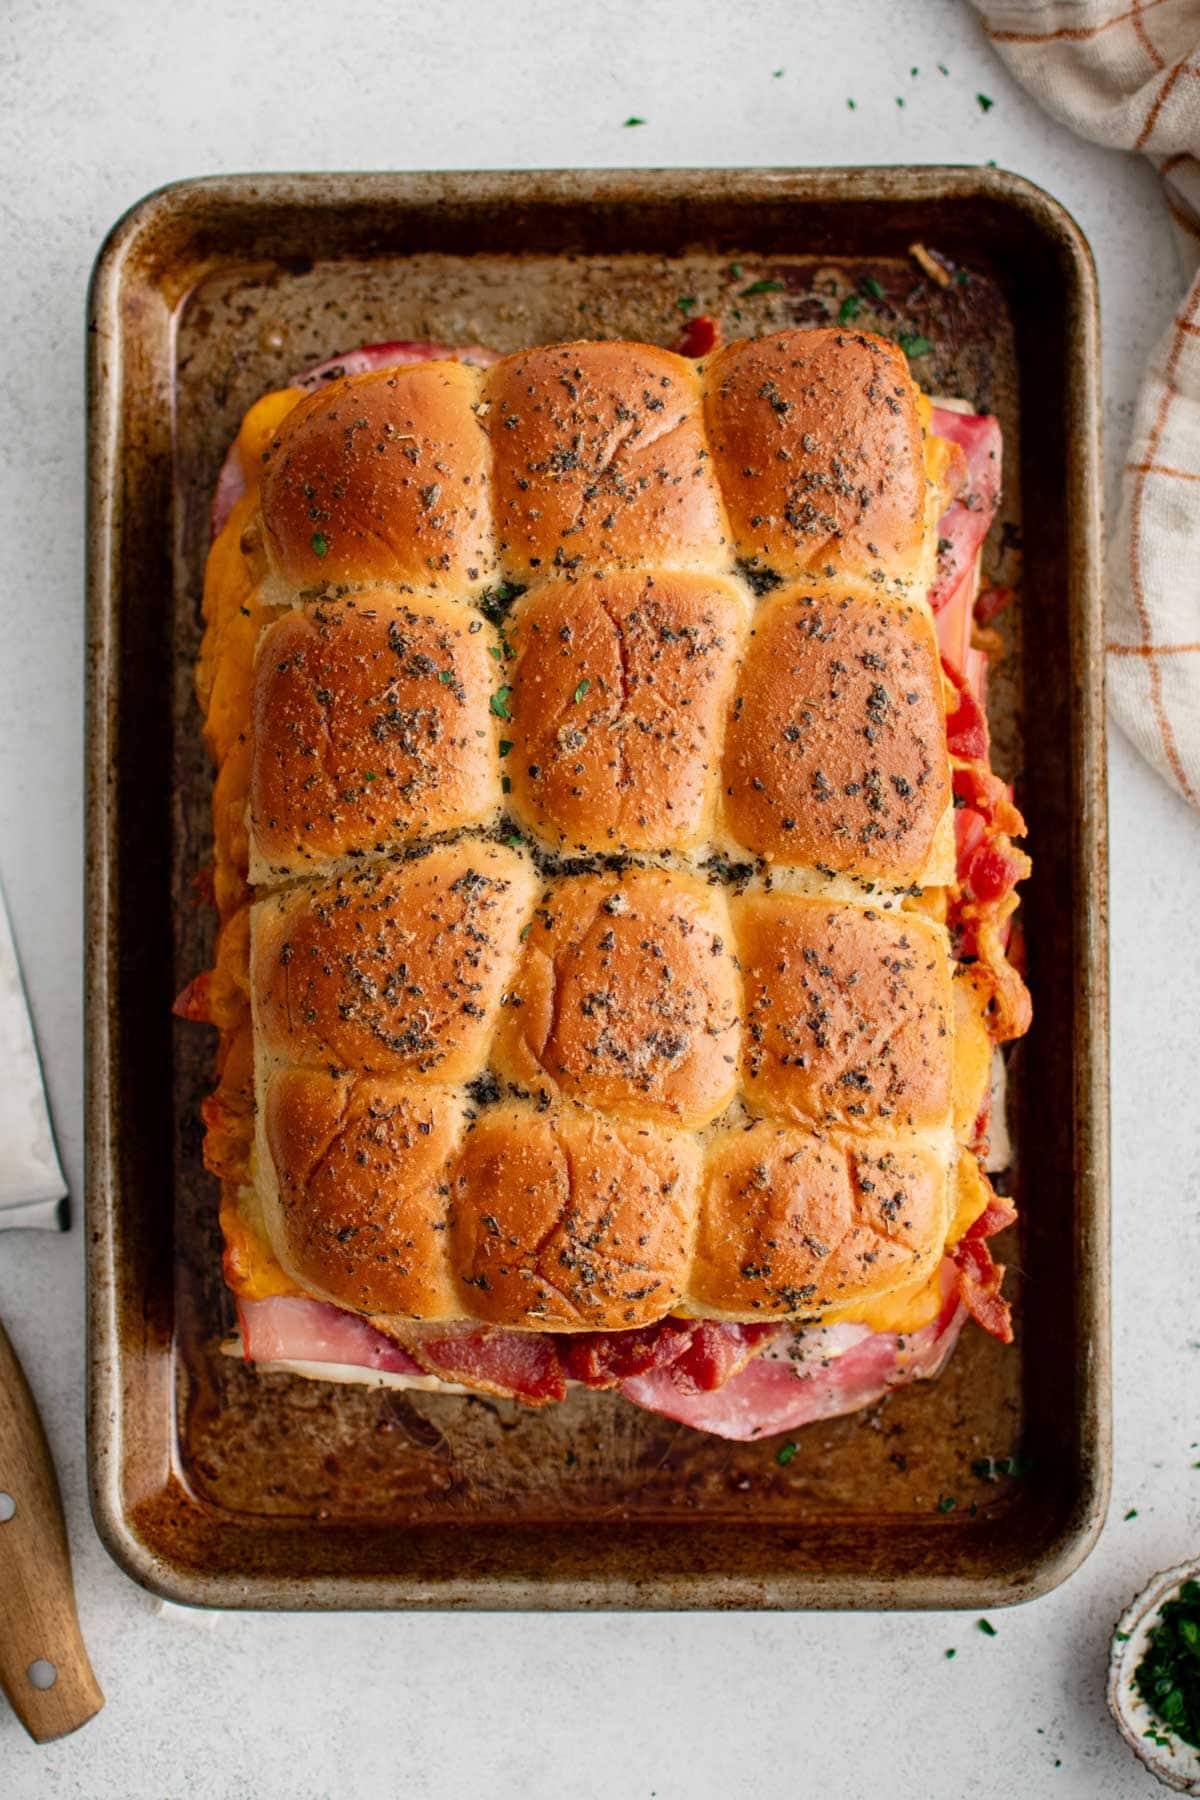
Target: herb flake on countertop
986,102
634,121
987,1628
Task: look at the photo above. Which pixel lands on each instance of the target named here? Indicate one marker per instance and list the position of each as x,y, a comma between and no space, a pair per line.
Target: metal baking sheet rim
117,329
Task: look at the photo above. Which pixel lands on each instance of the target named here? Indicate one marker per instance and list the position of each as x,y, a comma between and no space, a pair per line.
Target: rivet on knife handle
44,1667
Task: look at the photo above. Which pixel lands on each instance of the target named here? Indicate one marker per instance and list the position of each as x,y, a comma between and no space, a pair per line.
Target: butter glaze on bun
817,446
835,751
620,690
382,477
794,1223
627,998
600,459
372,727
849,1014
396,971
363,1170
573,1221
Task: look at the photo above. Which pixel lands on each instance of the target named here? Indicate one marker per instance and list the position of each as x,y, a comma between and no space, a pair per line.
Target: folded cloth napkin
1126,73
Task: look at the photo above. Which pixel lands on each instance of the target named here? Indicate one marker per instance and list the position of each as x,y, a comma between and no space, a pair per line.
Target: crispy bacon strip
518,1365
979,1283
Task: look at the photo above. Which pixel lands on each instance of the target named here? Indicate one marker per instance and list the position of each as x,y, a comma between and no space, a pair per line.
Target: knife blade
32,1189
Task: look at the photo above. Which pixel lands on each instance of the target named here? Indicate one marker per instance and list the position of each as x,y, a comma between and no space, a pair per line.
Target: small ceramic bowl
1175,1763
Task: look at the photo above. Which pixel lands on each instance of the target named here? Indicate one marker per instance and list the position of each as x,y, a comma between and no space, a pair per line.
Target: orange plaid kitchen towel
1126,73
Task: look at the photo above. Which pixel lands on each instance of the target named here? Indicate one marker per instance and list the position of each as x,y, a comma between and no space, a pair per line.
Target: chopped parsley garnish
913,344
514,840
319,543
496,651
1131,1514
445,676
950,1655
499,703
1168,1676
735,269
851,104
942,69
582,689
632,121
506,745
870,286
849,309
986,103
947,1503
785,1453
506,784
370,775
762,287
685,303
899,101
987,1628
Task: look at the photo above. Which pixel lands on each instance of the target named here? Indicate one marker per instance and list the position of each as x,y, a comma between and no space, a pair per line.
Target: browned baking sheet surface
257,1486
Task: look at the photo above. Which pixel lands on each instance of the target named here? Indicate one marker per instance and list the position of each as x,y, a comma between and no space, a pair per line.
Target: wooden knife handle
38,1622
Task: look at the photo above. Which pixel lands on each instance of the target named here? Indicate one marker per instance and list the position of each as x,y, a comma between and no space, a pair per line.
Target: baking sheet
222,1483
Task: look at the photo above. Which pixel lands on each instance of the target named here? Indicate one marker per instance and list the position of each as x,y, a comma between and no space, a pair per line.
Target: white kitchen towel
1126,73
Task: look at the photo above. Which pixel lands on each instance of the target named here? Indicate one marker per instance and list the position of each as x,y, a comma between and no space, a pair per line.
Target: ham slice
288,1329
393,355
231,482
532,1366
781,1391
967,520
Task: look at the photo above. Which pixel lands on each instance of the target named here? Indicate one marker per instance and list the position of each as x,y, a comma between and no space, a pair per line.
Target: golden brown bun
382,477
397,970
372,726
572,1221
627,998
848,1014
835,751
817,445
792,1223
482,1093
600,459
619,698
363,1172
